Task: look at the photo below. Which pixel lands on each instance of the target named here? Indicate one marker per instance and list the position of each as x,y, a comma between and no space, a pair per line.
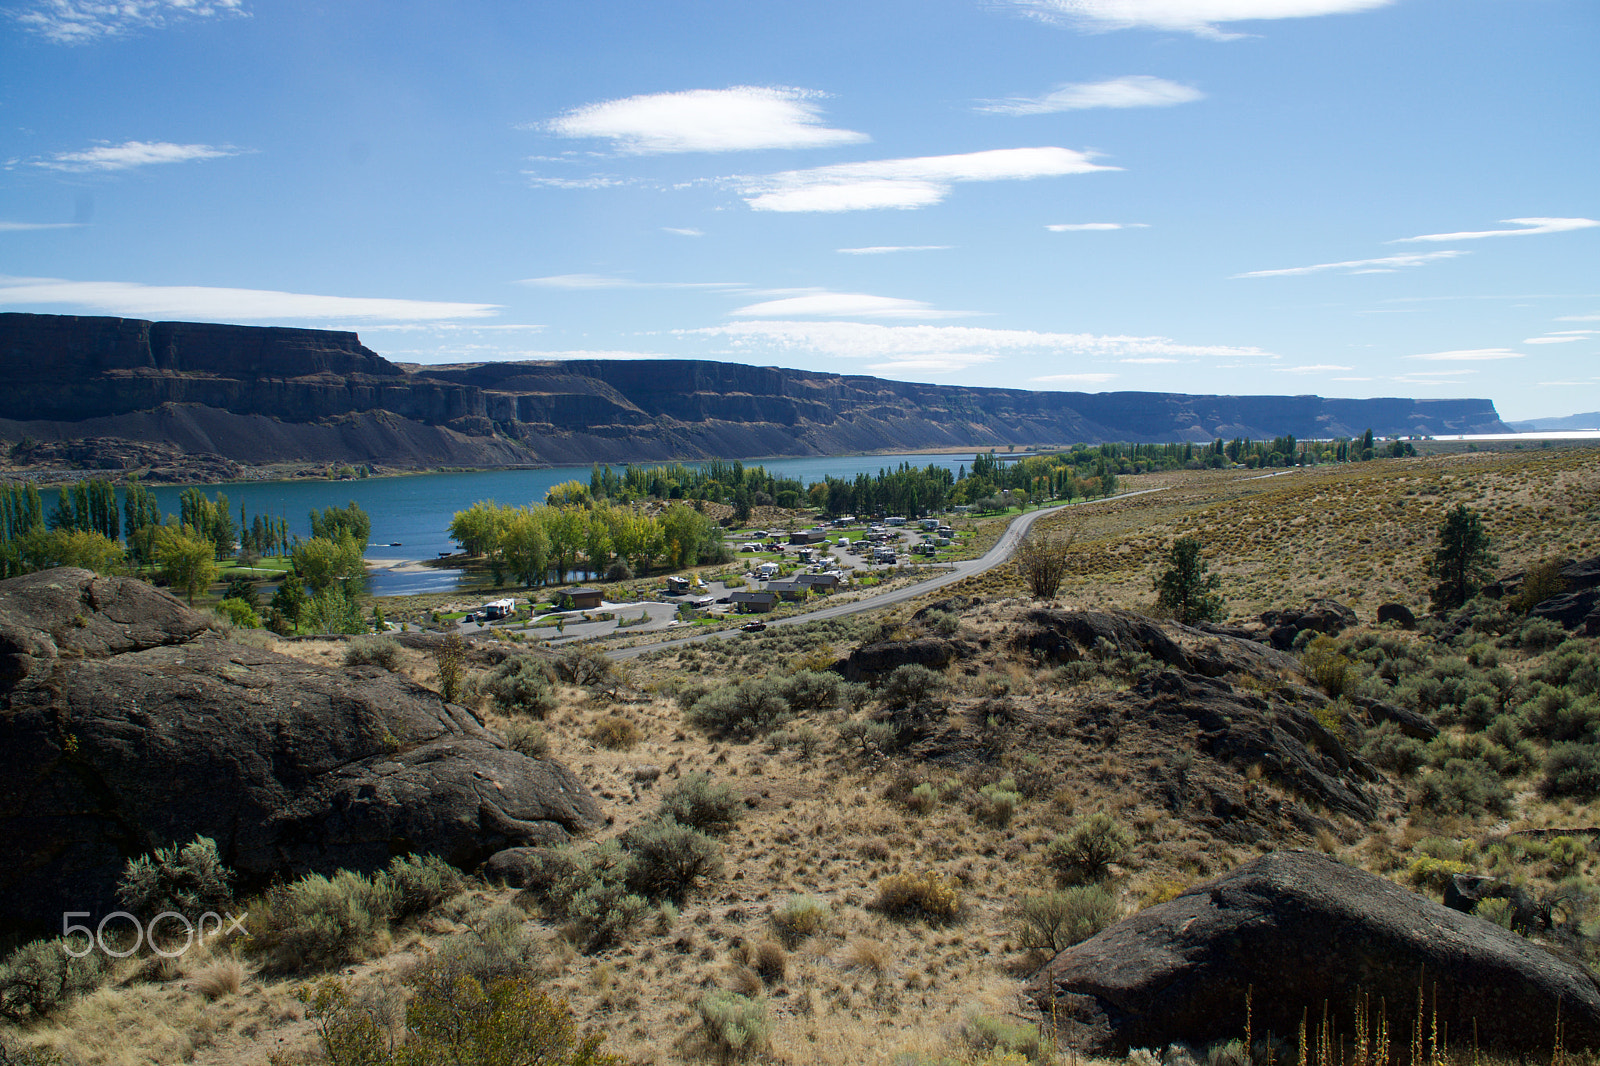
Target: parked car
754,627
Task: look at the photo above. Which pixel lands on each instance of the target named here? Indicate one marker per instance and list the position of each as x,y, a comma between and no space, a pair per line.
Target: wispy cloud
594,181
204,303
1529,227
1388,264
1139,90
1563,336
1074,379
1152,360
929,365
602,281
1313,368
23,227
130,154
743,118
1200,17
81,21
906,183
1579,318
684,231
885,249
1093,227
964,345
1468,355
844,305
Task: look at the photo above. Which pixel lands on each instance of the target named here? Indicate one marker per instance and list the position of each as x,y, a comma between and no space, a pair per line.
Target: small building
818,581
754,602
579,599
808,536
677,585
789,588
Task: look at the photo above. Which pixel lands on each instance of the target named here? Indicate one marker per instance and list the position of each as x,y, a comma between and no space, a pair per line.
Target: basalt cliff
103,391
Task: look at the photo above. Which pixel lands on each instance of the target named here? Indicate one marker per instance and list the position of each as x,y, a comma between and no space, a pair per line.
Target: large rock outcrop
223,389
1295,931
125,724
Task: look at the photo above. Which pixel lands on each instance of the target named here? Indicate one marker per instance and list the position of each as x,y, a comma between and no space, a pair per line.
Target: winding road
999,553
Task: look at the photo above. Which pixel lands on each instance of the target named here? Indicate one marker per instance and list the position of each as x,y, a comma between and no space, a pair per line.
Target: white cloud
866,341
1075,379
844,305
80,21
1564,336
130,154
1579,318
1358,266
1199,17
1314,368
1530,226
905,183
931,365
1152,360
1467,355
885,249
204,303
1093,227
684,231
22,227
602,281
742,118
1139,90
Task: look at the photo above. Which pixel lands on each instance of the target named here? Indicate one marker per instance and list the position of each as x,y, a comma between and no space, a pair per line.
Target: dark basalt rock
880,659
1320,616
126,725
1301,930
1067,636
1397,613
1411,723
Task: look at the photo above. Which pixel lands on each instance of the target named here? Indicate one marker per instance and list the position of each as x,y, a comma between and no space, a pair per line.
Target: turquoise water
410,515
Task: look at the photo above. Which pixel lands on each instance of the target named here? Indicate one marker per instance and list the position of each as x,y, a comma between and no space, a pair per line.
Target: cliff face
258,394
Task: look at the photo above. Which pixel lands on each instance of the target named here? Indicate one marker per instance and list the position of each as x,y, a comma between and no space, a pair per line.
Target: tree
1185,588
187,559
1462,561
1042,564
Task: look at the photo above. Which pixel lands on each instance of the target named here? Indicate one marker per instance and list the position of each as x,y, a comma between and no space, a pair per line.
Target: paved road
988,561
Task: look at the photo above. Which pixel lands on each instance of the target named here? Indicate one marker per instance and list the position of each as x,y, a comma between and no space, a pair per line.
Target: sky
1345,197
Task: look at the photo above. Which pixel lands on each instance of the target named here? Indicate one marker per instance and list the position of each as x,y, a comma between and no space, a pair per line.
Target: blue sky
1344,197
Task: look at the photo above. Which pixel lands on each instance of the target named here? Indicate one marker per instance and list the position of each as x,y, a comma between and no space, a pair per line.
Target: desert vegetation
825,848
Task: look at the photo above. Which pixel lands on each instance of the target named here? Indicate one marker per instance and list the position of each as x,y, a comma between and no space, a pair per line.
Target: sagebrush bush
923,798
750,708
1327,666
1572,769
373,651
697,803
615,733
927,895
811,690
986,1034
1435,873
911,685
1463,786
997,804
520,685
318,922
415,884
498,943
41,977
667,860
1088,848
1388,747
527,738
590,893
189,880
1053,921
735,1025
801,917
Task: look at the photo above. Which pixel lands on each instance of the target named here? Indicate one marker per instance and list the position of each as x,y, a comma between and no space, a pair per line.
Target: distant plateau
116,393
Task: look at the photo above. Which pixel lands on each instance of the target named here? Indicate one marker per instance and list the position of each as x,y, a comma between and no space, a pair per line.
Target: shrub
373,651
988,1035
1572,769
926,895
615,733
733,1024
668,859
923,798
528,738
1053,921
590,893
519,685
911,685
318,922
695,802
1542,581
452,663
586,667
1327,666
415,884
770,960
1089,847
239,613
222,978
497,943
750,708
1428,872
190,880
996,804
800,917
872,738
811,690
1463,786
1388,747
40,977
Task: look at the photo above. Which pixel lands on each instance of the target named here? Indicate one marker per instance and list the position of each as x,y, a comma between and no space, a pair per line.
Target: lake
411,514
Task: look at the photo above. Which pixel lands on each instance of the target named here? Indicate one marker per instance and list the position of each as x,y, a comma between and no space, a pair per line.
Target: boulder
1578,610
1411,723
1066,636
126,725
1294,931
1399,614
1321,616
876,660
